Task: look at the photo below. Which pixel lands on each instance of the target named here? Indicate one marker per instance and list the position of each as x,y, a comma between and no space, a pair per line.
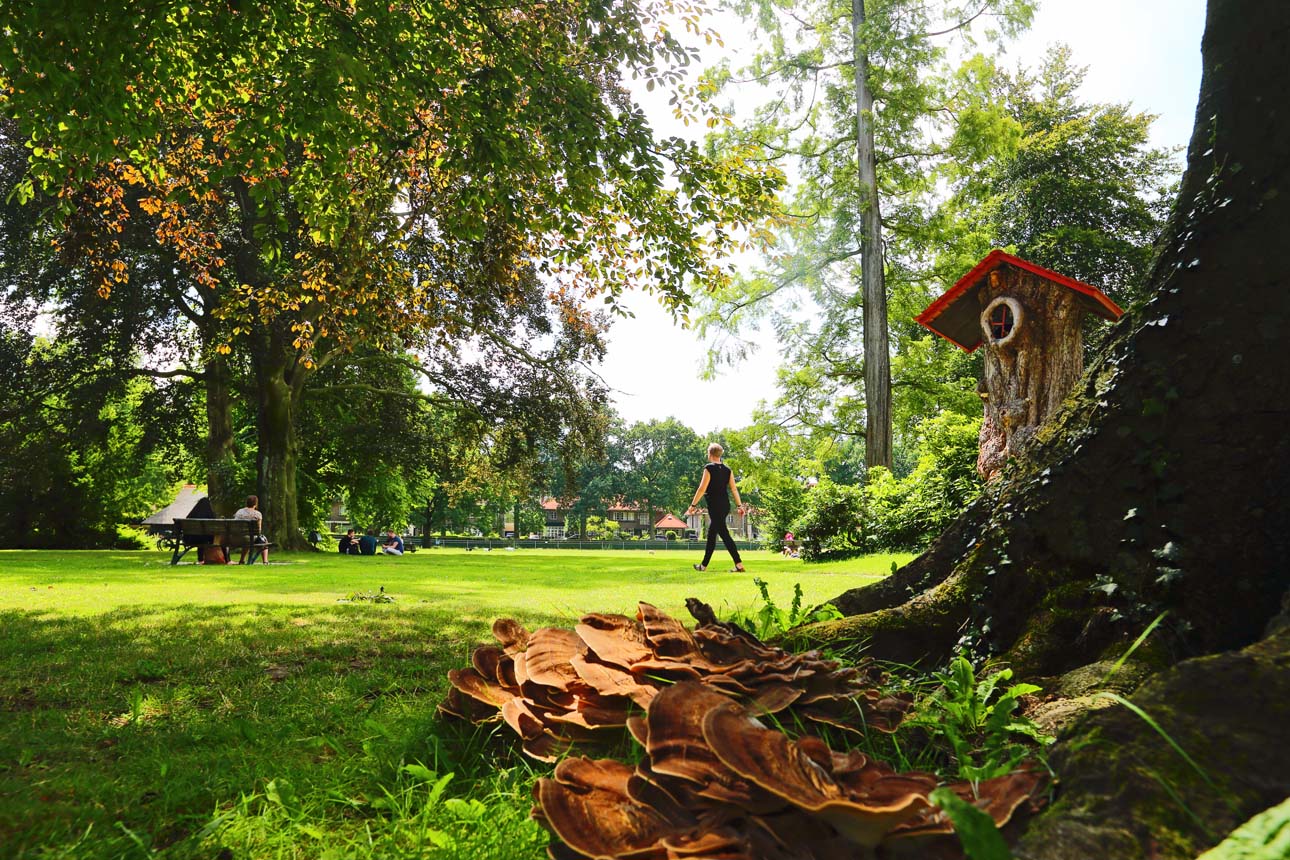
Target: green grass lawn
243,712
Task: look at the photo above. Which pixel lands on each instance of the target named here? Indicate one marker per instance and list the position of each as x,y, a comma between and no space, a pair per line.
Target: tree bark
877,355
1162,485
1029,372
220,450
280,386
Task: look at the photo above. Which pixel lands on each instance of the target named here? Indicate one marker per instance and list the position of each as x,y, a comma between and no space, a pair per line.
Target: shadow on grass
134,726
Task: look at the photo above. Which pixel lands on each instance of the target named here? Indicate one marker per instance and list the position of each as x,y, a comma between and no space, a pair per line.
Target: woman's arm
703,485
735,491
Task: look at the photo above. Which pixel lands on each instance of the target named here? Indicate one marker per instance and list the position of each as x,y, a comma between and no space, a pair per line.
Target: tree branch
960,25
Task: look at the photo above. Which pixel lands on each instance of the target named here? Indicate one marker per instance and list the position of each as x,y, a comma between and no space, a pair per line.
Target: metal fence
542,543
545,543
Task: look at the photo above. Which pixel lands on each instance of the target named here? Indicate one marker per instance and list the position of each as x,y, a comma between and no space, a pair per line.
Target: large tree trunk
280,387
877,355
220,450
1162,487
1164,484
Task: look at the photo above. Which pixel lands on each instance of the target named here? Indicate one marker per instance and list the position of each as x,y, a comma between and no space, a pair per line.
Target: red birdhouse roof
955,316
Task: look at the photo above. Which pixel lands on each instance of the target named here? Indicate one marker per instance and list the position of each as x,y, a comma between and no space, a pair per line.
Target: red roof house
670,521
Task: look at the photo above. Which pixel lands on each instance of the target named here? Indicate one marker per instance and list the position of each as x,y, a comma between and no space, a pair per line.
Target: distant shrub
906,513
781,504
890,513
129,537
830,526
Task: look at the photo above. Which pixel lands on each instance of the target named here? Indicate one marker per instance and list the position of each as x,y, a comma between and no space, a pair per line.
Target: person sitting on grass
251,512
393,544
790,546
349,544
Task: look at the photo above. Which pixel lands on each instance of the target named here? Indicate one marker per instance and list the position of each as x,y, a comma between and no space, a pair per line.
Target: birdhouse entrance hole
1000,321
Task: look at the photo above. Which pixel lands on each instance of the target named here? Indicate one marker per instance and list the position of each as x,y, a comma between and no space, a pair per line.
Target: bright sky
1145,52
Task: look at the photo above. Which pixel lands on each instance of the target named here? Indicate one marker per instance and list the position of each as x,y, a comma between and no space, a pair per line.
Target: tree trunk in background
279,385
220,451
1164,484
877,355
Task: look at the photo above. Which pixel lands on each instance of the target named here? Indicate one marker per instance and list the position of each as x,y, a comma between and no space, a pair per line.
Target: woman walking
717,484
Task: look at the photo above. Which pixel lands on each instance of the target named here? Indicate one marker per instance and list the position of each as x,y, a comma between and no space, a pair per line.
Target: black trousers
718,527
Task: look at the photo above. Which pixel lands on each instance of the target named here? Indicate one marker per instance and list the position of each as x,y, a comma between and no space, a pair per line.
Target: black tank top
718,484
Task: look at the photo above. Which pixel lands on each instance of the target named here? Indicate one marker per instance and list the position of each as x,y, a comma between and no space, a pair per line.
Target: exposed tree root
1127,793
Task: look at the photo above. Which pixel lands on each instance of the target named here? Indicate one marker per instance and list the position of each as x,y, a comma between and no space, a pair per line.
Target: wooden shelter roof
955,316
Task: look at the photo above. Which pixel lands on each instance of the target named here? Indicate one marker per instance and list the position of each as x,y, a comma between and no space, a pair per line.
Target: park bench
226,534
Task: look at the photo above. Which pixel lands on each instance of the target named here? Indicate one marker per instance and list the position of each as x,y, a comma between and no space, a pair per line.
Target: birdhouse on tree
1029,319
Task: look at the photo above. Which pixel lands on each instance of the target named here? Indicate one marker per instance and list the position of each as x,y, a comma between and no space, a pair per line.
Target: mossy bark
1161,484
1126,792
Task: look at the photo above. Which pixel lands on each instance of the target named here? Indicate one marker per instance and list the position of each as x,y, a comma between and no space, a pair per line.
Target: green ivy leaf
975,829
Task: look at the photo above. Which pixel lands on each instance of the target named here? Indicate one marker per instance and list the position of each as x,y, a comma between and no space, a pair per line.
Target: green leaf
1266,836
975,829
437,789
420,771
282,793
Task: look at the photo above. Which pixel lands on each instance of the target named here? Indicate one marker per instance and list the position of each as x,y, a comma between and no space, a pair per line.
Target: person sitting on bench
349,544
251,512
393,544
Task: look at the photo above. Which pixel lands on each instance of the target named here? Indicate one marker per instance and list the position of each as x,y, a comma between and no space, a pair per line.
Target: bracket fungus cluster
717,783
557,687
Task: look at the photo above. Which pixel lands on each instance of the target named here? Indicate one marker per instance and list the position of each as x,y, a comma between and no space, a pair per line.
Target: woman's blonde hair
715,450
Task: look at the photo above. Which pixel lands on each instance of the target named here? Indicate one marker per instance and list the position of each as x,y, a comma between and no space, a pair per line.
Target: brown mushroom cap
677,749
614,639
586,804
999,798
719,844
773,762
479,688
773,698
463,707
638,728
537,737
667,637
593,711
611,680
511,634
547,658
